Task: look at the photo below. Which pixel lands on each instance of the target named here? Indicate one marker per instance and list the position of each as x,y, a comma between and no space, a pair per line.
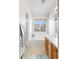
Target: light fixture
43,1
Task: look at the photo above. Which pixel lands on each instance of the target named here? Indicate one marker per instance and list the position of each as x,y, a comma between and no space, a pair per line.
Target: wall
35,44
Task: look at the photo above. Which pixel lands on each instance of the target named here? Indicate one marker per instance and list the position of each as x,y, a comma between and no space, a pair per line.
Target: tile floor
35,53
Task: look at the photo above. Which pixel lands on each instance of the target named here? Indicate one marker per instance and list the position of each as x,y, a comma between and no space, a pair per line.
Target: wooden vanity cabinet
51,50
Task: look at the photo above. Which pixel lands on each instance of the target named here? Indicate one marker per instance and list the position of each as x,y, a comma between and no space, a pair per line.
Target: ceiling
41,8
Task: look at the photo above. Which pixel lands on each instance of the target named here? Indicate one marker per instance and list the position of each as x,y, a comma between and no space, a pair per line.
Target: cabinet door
53,53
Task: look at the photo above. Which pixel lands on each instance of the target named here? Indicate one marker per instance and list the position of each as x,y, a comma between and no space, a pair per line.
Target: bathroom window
39,25
43,27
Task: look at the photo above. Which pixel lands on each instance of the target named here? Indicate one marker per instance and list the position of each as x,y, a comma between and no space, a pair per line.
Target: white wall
22,8
35,43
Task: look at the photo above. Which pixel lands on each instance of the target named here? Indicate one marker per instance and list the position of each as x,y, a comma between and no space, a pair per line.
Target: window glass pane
39,25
